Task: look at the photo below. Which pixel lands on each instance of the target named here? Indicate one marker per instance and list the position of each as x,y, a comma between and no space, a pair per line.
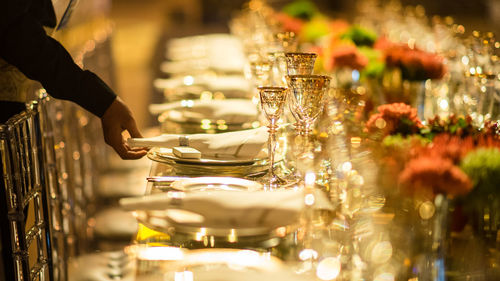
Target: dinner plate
162,154
215,183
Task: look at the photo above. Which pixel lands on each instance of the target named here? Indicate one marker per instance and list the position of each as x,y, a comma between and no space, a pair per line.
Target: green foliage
483,168
303,9
376,66
315,29
360,36
403,142
454,125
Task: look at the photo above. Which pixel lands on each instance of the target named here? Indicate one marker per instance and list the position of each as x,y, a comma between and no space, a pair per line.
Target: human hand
115,120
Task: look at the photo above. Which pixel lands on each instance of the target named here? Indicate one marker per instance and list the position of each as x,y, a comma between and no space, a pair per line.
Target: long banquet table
383,185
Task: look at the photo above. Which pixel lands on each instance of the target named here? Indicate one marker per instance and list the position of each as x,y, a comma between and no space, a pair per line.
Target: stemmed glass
272,100
300,63
306,99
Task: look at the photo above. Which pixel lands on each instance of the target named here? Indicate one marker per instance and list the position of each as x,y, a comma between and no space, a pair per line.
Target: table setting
303,146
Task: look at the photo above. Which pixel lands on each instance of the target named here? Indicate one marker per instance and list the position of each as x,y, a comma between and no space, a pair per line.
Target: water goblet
272,100
306,100
300,63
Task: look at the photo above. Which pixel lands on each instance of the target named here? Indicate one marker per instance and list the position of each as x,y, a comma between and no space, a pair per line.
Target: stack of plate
205,166
204,86
206,116
204,53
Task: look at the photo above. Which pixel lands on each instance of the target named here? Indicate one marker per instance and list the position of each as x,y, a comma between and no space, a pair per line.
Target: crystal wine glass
300,63
306,99
272,100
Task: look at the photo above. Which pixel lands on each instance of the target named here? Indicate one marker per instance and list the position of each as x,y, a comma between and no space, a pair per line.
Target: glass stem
271,145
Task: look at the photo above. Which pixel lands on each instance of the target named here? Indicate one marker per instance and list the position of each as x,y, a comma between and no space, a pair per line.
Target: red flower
347,56
290,23
432,175
383,44
394,118
414,63
450,147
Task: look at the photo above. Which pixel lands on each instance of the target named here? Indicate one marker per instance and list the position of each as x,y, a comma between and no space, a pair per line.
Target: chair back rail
25,198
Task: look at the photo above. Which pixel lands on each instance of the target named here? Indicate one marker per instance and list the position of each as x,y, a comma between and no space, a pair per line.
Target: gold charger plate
166,153
213,167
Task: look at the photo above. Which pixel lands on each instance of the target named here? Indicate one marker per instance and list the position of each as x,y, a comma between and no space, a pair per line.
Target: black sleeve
24,44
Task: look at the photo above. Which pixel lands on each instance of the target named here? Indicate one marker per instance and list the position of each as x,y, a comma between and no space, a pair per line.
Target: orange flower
290,23
414,63
394,118
450,147
338,26
347,56
426,174
383,44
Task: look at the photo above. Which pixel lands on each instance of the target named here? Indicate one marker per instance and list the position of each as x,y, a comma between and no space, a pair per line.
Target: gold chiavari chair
71,155
68,151
57,207
24,198
52,115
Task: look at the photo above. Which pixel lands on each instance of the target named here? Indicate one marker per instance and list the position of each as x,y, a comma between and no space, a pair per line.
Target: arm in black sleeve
24,44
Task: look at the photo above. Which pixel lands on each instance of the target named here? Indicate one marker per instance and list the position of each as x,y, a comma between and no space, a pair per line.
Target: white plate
215,183
166,153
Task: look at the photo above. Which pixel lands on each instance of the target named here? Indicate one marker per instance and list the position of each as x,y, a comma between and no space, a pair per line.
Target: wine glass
300,63
306,99
272,101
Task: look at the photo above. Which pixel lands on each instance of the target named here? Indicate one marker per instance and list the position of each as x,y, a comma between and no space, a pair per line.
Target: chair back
25,199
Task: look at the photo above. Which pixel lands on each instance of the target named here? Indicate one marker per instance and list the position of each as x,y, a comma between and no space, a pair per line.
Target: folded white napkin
232,209
233,111
241,144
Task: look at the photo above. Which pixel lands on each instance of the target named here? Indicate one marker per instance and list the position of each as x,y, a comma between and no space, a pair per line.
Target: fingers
114,139
127,153
136,148
115,120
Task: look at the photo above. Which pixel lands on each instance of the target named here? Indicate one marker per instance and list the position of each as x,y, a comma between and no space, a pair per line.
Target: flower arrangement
444,156
415,64
395,118
428,175
345,56
359,36
289,23
483,168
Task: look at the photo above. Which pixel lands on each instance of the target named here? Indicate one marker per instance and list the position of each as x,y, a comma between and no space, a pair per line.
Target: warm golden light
328,269
308,254
159,253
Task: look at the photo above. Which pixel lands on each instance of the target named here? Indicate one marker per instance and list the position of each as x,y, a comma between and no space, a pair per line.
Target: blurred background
140,26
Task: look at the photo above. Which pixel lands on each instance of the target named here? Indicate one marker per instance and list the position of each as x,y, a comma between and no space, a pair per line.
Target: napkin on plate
232,209
233,111
239,144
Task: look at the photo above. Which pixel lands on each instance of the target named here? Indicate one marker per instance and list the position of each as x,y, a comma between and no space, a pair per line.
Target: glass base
272,182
